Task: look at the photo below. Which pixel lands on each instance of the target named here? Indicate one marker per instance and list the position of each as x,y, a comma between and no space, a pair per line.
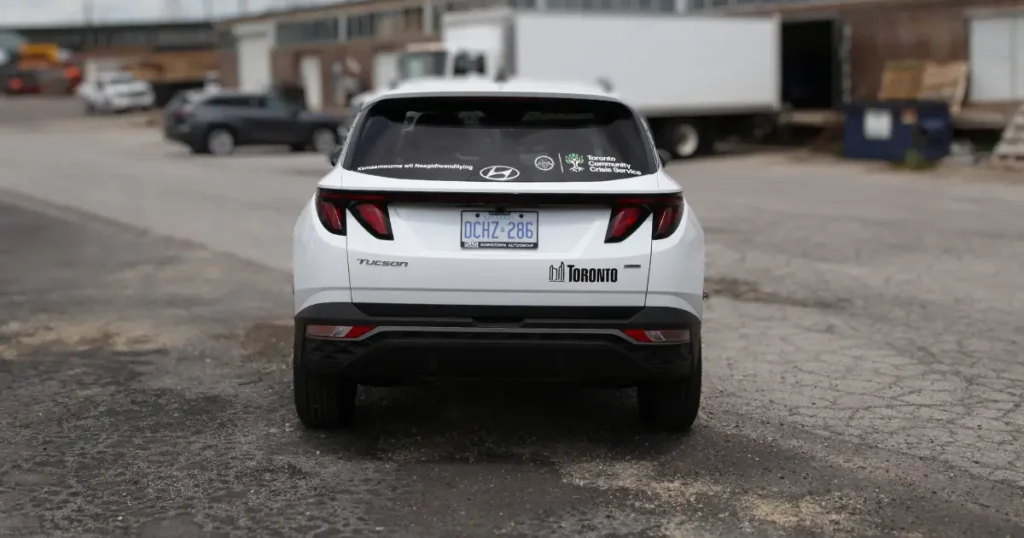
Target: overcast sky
39,12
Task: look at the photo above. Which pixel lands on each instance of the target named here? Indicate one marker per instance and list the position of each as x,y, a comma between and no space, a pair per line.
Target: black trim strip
390,314
517,199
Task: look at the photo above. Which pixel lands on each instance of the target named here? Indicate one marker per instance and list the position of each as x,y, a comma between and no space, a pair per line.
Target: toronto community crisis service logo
575,160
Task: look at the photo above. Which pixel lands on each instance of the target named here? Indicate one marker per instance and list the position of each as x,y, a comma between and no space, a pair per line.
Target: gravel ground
863,346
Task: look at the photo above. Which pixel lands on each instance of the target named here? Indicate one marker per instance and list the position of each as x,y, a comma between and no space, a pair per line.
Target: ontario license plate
488,229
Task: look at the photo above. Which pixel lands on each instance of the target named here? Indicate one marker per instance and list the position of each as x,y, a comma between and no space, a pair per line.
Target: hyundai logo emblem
499,173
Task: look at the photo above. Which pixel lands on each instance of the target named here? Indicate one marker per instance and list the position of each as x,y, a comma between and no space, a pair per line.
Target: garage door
997,58
254,61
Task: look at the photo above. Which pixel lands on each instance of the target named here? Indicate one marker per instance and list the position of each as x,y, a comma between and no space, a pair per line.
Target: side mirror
665,156
335,155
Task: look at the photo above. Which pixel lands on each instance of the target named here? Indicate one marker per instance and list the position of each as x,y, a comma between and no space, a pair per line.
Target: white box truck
696,79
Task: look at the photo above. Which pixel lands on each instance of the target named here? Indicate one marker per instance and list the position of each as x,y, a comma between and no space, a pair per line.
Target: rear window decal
414,166
575,160
610,165
544,163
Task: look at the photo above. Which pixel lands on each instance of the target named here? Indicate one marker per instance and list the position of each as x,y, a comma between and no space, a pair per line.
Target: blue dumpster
887,130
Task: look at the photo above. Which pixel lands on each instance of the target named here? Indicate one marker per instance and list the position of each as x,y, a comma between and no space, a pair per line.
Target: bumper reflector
337,332
672,336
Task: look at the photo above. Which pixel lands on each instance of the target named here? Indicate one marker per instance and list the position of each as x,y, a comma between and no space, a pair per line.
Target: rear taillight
374,217
630,213
369,210
667,218
337,332
661,336
331,213
625,221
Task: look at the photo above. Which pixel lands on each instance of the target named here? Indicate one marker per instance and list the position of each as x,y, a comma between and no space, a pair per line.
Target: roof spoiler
604,83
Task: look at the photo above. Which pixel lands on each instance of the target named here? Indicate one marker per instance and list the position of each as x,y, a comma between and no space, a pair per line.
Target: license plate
488,229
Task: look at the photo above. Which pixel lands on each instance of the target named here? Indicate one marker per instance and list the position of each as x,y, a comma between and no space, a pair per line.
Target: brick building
833,51
321,47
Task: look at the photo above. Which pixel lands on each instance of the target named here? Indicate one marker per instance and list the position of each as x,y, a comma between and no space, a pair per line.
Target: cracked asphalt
863,378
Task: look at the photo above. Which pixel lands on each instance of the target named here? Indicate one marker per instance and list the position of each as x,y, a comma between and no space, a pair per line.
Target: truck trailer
695,79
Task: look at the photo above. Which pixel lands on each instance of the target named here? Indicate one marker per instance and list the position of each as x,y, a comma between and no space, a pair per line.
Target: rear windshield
500,139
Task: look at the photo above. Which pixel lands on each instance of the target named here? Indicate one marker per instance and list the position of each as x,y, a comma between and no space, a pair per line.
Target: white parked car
517,230
116,92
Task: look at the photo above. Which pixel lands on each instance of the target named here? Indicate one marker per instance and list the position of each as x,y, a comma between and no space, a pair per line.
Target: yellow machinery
41,67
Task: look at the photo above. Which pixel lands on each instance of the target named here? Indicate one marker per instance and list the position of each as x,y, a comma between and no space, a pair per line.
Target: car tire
673,404
323,140
322,401
220,141
298,148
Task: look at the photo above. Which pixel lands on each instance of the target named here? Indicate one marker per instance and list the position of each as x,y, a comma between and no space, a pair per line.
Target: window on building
316,31
362,26
388,23
129,38
412,20
225,40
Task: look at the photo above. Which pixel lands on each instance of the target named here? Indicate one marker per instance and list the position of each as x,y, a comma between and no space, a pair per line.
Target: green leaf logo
575,160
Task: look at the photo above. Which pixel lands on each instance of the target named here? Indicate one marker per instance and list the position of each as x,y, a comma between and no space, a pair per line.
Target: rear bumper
419,342
183,133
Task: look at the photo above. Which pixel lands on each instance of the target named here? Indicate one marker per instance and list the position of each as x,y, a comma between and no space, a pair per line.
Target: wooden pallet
911,80
944,82
1009,152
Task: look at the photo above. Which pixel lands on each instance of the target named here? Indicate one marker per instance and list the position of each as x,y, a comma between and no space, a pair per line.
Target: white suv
116,92
508,230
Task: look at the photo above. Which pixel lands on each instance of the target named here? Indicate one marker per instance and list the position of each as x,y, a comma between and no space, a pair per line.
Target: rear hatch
526,201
